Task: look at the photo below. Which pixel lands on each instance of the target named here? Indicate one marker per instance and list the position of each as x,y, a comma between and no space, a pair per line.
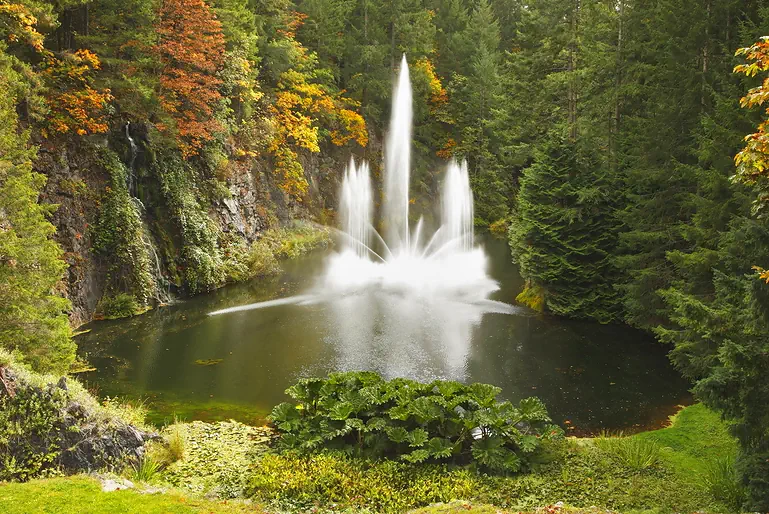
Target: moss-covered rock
51,425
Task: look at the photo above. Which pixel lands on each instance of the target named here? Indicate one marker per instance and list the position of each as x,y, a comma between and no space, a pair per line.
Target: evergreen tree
563,234
477,103
720,344
32,312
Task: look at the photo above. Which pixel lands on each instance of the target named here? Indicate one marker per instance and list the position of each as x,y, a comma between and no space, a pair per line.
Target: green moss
81,494
532,296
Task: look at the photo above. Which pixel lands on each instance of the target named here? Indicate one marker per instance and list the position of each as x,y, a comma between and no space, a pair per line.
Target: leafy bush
294,483
532,296
261,261
499,228
362,414
582,475
121,305
634,453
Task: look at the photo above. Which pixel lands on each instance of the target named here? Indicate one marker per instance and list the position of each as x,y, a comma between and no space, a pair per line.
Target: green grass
695,439
83,495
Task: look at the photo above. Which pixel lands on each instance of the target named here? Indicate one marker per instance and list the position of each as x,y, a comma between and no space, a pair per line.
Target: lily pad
208,362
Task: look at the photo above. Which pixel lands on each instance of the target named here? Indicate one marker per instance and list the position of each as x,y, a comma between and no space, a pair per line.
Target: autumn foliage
191,48
20,25
753,161
75,104
299,107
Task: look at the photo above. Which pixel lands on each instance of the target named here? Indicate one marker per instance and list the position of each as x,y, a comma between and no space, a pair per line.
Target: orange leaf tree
191,49
75,104
753,160
18,23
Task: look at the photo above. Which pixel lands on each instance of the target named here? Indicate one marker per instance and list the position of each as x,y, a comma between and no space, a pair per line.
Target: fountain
447,267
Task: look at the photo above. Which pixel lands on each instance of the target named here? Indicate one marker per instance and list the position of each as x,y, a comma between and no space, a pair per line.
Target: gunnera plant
362,414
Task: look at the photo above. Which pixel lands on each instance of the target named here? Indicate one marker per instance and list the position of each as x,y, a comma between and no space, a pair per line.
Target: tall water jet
457,208
357,203
397,164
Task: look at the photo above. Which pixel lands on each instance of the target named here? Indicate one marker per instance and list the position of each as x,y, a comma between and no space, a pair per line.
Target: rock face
74,180
78,179
49,428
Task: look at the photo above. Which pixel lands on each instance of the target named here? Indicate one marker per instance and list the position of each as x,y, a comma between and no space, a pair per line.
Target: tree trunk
572,67
705,59
617,85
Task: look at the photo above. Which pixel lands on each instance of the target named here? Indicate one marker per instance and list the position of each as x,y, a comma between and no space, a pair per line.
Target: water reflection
403,336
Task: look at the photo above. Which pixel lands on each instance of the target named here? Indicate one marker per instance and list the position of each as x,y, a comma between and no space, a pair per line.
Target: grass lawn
83,495
695,439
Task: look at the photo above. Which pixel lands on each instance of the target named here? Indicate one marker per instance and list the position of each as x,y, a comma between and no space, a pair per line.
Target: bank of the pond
241,263
674,469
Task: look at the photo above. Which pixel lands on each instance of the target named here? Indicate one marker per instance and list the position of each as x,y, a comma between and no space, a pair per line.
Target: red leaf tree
191,50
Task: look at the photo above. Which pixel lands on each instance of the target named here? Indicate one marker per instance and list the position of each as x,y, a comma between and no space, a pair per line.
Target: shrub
295,483
49,426
121,305
581,476
498,229
296,240
176,439
362,414
532,296
261,261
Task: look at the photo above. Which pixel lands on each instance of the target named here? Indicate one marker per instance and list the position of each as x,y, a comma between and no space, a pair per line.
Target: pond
184,363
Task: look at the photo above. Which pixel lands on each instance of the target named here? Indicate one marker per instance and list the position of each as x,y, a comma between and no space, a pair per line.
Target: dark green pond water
184,363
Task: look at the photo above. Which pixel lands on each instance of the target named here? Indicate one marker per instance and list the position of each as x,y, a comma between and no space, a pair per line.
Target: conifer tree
563,233
33,321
